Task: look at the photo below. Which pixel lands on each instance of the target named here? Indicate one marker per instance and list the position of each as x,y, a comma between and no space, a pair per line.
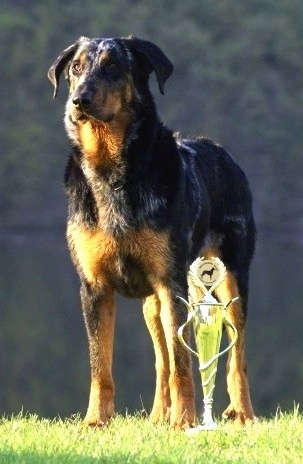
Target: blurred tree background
238,79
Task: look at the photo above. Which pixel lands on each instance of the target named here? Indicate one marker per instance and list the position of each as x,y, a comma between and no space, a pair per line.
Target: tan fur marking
82,57
101,404
104,56
96,251
152,248
228,290
211,252
91,247
100,143
129,91
101,400
91,142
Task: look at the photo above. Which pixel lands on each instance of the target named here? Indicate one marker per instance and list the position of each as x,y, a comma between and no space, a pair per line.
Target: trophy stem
208,424
208,386
208,421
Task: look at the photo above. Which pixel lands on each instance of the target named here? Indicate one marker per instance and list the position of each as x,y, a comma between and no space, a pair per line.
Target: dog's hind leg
240,409
161,406
99,316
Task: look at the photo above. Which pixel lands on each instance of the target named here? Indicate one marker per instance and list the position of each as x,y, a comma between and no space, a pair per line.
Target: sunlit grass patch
133,439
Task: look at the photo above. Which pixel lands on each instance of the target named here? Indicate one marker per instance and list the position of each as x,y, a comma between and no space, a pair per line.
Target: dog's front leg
161,406
181,384
99,315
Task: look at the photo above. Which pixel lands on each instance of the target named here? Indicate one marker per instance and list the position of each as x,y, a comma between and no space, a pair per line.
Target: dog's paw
96,421
239,416
159,414
183,418
98,417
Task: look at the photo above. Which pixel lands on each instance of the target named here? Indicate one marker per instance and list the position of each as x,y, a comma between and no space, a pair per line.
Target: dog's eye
76,67
112,67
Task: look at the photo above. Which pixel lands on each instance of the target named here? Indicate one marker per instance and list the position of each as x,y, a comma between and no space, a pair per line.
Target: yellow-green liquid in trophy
208,332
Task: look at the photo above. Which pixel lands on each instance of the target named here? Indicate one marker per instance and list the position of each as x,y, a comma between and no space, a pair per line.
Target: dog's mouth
79,115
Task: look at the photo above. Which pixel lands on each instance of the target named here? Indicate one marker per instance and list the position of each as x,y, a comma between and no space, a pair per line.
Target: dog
208,272
143,204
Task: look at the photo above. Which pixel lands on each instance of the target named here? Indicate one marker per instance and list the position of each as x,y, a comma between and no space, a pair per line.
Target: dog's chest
132,263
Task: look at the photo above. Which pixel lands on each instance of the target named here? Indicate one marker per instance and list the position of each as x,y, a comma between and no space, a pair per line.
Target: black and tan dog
143,204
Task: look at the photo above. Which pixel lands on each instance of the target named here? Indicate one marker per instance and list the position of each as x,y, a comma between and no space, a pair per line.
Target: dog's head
106,76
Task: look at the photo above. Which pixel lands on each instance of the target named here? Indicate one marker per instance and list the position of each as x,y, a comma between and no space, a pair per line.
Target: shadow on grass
13,457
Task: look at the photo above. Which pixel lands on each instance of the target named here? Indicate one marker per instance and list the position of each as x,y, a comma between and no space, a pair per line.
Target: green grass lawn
132,439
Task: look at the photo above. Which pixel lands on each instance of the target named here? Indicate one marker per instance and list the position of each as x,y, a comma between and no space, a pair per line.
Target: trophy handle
225,321
235,337
207,364
182,327
180,335
233,328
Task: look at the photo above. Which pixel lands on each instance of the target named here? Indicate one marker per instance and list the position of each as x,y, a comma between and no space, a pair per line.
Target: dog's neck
113,149
101,143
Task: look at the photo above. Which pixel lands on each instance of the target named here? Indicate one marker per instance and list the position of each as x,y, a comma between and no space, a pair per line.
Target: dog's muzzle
83,100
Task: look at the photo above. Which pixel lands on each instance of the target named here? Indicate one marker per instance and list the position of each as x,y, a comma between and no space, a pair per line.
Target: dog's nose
83,99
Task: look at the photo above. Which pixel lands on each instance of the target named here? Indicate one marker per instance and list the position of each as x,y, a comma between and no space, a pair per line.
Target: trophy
207,316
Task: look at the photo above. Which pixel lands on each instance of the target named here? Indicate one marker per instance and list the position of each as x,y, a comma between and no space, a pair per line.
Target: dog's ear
153,59
59,65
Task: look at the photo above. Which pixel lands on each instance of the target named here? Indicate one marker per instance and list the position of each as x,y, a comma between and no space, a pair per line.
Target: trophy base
208,423
210,426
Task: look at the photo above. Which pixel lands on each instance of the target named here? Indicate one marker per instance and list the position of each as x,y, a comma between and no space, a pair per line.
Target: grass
28,439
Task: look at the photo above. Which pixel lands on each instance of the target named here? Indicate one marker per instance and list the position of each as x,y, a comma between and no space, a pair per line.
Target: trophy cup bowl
207,320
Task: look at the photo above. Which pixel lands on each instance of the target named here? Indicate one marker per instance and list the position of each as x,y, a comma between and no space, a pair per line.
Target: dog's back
231,223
